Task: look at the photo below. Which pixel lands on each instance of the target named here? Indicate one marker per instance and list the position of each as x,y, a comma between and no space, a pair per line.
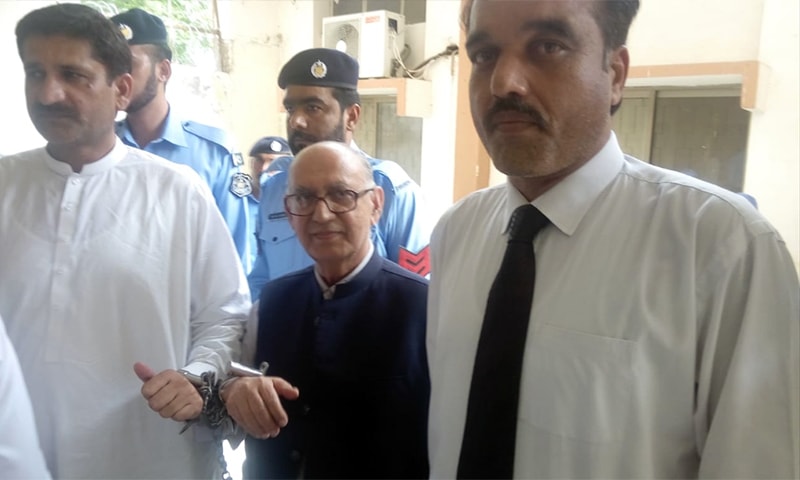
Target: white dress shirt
664,329
20,455
128,260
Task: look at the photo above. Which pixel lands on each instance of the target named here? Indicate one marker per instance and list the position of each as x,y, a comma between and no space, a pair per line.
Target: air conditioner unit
370,37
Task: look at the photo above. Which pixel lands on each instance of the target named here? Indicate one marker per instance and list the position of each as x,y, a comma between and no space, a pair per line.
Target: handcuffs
214,412
209,388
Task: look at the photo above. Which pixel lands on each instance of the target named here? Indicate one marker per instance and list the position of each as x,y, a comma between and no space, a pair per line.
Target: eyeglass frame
355,194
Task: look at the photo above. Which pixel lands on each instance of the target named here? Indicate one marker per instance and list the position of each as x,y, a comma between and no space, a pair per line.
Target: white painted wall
265,35
695,31
438,130
772,173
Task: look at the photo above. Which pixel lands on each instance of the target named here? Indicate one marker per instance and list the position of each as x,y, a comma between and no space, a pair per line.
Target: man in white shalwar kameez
110,257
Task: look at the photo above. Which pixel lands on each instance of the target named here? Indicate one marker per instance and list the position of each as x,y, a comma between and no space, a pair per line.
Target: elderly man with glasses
344,339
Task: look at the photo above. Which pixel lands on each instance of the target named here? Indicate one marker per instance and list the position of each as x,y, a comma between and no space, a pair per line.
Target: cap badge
319,69
275,146
126,31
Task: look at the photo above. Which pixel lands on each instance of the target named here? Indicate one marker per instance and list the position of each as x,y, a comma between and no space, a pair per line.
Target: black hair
614,17
81,22
159,52
346,97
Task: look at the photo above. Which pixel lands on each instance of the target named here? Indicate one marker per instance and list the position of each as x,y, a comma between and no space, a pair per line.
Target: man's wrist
195,380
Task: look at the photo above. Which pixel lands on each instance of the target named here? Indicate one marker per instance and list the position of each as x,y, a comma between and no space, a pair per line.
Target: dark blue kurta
359,361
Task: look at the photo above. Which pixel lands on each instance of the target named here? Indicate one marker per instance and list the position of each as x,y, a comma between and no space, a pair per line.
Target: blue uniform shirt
208,151
402,234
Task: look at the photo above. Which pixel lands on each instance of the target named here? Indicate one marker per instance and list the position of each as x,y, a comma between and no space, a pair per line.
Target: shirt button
295,456
76,181
59,271
306,409
68,207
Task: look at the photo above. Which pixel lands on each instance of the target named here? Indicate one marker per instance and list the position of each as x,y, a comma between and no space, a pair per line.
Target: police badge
126,31
241,185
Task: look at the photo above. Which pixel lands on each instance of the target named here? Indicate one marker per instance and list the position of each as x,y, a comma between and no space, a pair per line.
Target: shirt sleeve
220,300
20,454
250,338
747,417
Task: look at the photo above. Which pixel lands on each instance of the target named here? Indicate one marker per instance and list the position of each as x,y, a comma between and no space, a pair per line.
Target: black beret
270,145
141,28
320,67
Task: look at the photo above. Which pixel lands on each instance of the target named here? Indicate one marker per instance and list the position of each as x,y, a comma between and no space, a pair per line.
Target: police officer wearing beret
264,153
322,103
153,125
268,156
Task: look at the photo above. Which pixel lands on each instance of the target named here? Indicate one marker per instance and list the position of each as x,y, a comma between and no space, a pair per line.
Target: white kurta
664,329
20,455
128,260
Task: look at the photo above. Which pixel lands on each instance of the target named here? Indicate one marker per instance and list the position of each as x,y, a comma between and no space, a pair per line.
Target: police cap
142,28
270,145
320,67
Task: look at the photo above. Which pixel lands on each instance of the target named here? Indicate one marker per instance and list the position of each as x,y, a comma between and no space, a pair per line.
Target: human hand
169,393
255,404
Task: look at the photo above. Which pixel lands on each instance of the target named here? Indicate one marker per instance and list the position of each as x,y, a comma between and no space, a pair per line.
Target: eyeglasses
337,201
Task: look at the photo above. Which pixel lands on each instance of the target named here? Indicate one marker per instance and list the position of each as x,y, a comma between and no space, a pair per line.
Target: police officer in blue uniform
153,125
322,103
263,155
268,156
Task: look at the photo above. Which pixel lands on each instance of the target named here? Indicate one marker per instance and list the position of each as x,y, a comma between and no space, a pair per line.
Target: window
384,135
698,131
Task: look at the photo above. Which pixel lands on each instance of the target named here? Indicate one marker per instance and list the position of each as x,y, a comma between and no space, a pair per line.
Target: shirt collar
172,133
566,203
173,130
99,166
328,291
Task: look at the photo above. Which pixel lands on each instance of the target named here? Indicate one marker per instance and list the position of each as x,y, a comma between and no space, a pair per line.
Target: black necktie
487,450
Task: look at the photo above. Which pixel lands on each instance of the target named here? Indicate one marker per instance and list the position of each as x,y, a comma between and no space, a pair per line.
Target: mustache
55,110
515,104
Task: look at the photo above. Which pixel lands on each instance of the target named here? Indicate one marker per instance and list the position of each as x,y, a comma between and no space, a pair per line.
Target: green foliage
190,25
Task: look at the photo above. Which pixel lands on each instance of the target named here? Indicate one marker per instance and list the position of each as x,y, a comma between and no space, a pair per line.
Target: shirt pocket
577,385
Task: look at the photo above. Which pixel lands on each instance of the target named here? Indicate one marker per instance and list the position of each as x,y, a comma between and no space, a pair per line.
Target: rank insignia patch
241,185
419,263
238,159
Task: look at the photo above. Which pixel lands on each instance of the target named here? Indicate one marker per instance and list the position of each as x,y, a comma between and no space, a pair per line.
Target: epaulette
212,134
394,172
